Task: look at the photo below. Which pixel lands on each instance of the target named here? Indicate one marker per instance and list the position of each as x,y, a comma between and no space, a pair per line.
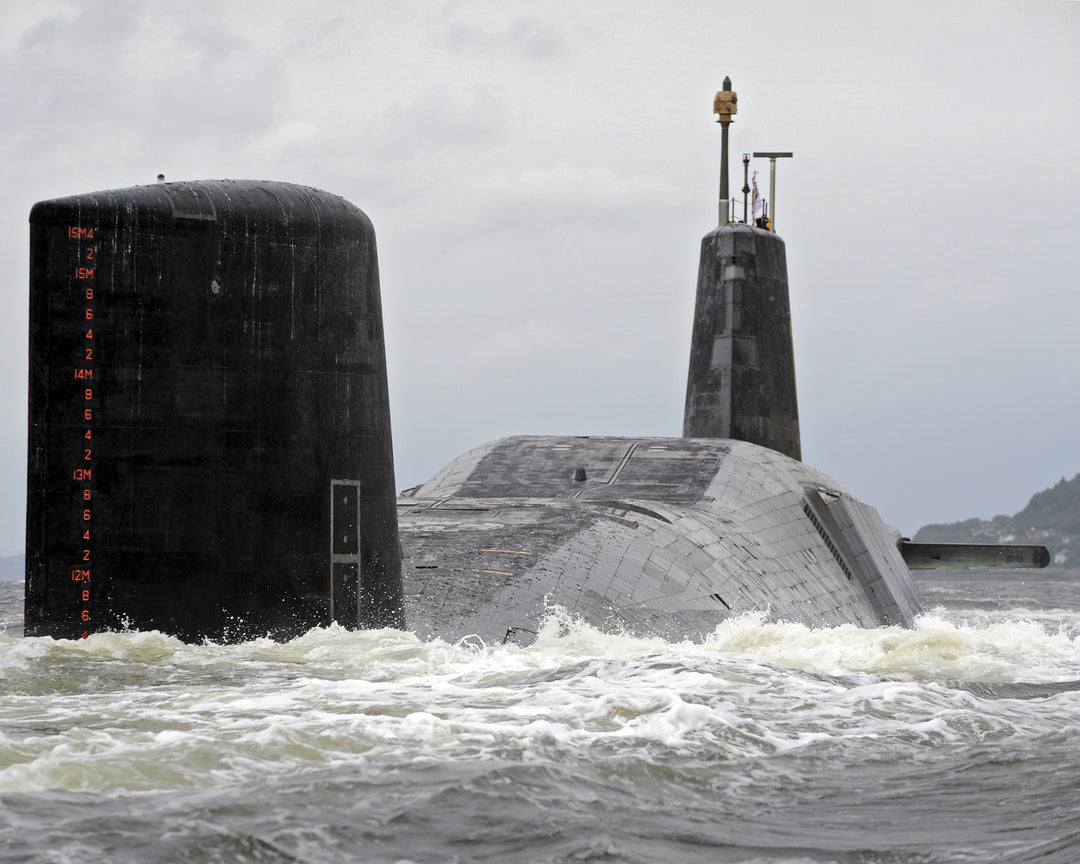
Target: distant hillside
1051,518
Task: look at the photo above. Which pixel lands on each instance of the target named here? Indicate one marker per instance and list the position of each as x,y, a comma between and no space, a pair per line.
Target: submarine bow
656,536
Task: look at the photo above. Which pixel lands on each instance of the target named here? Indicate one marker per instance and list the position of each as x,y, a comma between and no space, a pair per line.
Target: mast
724,106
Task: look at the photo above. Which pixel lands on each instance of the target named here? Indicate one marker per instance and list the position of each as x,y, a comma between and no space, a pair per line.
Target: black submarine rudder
209,439
210,449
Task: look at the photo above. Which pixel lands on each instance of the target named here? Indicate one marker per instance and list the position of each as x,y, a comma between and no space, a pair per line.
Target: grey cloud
166,81
523,36
438,122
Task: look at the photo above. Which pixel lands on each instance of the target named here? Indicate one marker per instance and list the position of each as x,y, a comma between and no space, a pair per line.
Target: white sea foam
143,711
1014,649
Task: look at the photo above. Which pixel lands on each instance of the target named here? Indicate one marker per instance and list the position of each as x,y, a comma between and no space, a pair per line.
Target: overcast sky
540,176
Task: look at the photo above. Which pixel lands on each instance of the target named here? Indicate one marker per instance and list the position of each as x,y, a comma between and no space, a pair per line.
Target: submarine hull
664,536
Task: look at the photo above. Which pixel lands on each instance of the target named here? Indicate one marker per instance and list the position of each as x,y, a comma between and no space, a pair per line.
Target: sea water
955,741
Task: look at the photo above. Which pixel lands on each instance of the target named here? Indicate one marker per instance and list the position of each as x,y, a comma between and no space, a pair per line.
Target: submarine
210,450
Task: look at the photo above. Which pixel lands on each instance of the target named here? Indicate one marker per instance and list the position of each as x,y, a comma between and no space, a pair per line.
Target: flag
759,202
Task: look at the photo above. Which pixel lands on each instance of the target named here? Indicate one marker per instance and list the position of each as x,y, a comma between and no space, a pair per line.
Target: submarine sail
741,382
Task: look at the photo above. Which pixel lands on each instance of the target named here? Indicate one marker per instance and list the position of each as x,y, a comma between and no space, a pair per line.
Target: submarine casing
209,439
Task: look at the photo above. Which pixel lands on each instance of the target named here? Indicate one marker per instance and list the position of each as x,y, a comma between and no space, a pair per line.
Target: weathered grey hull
664,536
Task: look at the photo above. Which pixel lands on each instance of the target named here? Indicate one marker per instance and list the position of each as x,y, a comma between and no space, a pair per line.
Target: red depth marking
85,275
